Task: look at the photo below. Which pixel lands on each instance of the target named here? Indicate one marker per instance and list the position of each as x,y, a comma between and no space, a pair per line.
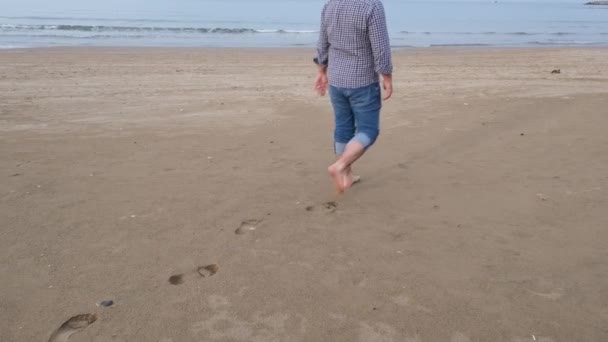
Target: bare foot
348,180
338,173
352,179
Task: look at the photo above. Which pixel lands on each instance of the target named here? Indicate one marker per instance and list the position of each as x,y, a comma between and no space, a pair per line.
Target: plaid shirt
354,42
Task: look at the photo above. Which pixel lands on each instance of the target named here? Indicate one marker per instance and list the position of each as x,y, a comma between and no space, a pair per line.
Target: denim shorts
357,115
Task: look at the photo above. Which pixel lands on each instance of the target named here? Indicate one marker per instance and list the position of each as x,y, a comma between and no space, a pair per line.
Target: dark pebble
106,303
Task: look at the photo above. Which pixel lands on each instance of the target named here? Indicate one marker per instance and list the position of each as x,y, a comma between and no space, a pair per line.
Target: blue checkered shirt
354,43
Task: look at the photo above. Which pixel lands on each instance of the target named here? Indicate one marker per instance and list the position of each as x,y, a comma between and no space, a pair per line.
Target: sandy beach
481,215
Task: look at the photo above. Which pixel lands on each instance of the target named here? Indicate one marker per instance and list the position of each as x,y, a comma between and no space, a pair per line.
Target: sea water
289,23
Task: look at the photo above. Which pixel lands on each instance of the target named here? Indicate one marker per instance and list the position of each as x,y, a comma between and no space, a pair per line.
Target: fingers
321,88
388,89
321,91
388,92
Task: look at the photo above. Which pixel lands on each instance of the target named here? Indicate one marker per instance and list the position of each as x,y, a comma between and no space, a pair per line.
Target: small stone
106,303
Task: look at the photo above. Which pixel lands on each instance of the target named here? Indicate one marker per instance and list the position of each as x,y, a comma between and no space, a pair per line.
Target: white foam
10,46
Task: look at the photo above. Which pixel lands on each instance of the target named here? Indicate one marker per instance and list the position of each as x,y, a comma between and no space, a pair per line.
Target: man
353,50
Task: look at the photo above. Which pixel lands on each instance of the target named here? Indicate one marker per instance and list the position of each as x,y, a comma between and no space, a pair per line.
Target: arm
322,57
381,47
323,43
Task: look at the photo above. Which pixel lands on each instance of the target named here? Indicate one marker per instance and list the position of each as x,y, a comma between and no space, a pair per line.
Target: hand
387,85
321,83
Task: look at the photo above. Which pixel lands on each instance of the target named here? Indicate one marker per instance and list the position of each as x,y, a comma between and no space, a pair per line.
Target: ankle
340,166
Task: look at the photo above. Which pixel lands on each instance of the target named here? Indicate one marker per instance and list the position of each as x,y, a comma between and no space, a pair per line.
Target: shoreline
301,48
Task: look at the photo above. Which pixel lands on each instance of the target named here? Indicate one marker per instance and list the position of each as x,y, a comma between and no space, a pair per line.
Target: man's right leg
344,118
343,133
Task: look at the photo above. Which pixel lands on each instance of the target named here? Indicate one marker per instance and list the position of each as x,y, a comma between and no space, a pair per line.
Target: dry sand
482,214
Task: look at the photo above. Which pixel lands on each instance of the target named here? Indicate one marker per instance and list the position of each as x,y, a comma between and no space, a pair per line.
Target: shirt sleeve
323,43
378,36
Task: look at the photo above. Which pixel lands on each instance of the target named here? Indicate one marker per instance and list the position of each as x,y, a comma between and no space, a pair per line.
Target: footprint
176,279
553,295
328,207
247,226
71,326
208,271
203,271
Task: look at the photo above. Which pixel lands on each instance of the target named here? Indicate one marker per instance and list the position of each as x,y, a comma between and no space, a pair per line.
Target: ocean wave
458,45
564,43
521,33
144,29
86,18
492,33
10,46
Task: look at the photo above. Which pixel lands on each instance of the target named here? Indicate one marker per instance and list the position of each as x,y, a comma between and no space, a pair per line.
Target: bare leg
340,171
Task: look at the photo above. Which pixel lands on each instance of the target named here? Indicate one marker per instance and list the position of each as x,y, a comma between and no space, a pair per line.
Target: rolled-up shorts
357,115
